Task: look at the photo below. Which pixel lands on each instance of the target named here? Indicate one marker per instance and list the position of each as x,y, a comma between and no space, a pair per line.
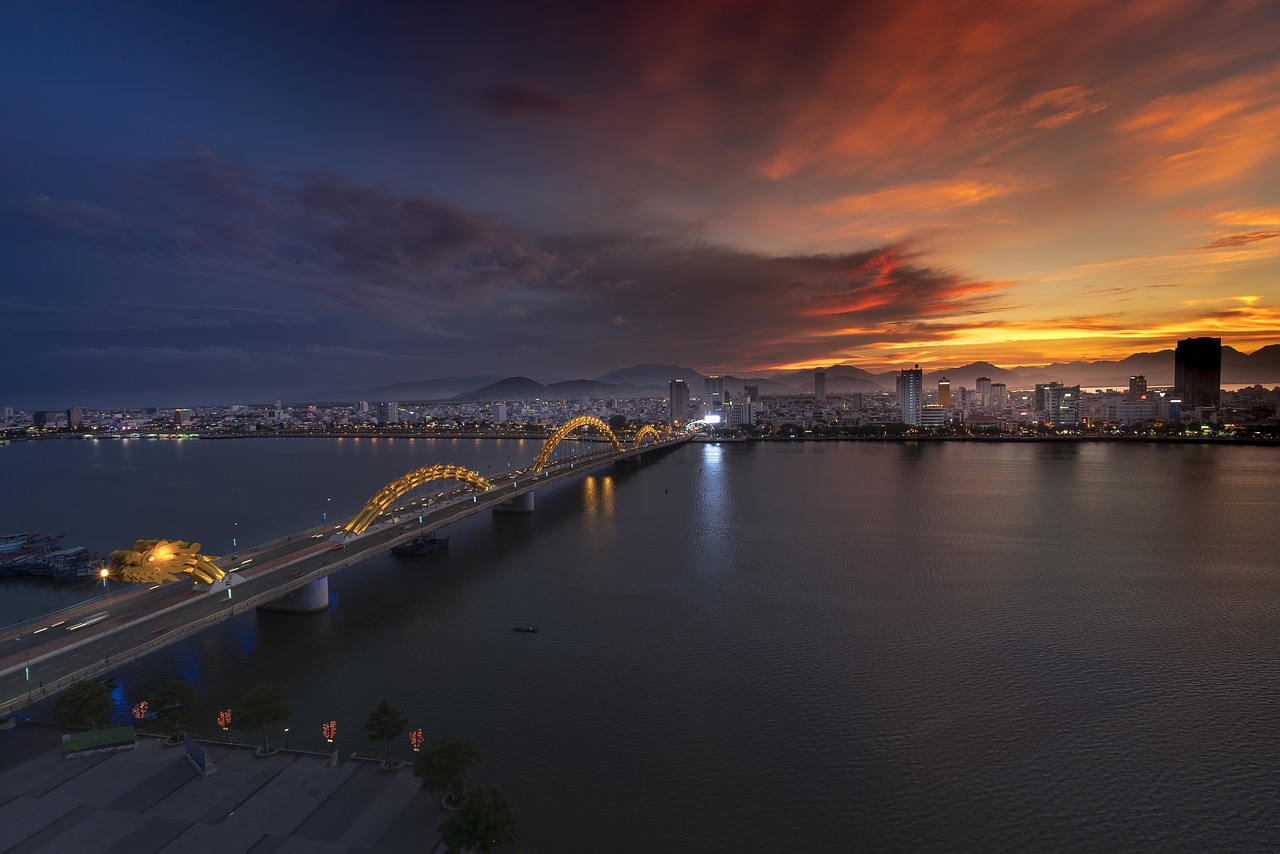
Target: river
762,647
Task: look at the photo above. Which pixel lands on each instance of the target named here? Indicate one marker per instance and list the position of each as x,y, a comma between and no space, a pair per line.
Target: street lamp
324,514
27,668
286,738
234,531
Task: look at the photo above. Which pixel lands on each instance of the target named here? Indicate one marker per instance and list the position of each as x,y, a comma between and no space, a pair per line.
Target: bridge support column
305,600
518,504
634,459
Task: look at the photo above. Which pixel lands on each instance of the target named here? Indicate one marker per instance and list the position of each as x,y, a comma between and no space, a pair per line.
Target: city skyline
356,197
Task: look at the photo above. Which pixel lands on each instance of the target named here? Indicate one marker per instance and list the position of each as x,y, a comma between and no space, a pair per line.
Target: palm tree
385,723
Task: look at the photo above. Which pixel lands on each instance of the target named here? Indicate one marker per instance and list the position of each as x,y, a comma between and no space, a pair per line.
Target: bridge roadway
104,633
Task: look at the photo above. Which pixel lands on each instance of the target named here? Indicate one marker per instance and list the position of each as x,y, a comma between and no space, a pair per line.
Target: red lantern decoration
140,710
330,729
224,719
415,738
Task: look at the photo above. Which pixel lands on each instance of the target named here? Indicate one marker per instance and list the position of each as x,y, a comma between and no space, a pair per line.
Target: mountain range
651,380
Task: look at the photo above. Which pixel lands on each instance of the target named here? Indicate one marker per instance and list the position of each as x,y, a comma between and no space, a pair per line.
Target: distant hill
653,375
511,388
802,380
967,376
438,389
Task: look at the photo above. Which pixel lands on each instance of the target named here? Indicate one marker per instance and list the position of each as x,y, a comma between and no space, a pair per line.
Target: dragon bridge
378,504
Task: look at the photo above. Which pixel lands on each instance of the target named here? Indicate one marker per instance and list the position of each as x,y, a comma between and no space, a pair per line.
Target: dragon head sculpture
160,561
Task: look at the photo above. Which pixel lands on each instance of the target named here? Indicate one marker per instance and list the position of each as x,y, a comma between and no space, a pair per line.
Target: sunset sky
221,202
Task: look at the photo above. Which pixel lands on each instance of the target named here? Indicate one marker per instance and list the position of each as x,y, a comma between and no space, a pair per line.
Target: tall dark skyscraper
1197,371
1137,388
944,393
911,395
679,392
820,386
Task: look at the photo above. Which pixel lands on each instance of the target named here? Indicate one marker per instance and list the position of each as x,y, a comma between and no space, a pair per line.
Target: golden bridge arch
564,430
378,504
647,430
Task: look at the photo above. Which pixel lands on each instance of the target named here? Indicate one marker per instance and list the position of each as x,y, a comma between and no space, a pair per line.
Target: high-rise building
1039,398
713,394
820,387
1137,388
911,395
753,392
500,413
999,394
984,392
75,417
679,395
944,393
389,412
1197,372
1062,403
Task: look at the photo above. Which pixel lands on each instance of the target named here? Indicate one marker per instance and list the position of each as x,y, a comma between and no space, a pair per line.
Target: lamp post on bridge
324,510
234,530
27,668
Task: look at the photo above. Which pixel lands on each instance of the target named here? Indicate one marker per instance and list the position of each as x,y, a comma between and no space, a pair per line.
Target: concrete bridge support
518,504
305,600
634,459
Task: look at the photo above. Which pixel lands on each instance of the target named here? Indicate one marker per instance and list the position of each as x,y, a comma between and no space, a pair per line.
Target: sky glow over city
238,200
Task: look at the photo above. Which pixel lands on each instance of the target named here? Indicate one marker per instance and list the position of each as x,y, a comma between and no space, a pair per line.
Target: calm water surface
781,647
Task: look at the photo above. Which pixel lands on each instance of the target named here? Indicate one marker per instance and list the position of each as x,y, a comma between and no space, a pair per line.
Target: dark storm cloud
726,308
364,246
518,102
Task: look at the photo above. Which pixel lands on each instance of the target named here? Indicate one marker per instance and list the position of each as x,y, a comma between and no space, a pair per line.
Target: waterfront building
1062,403
1137,388
820,387
678,392
1197,372
911,395
933,416
75,417
944,393
389,412
1038,402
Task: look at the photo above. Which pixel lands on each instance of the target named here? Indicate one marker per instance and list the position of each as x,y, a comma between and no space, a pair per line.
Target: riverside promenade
151,799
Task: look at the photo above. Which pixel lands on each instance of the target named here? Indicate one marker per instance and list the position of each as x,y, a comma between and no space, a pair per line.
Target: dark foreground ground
151,799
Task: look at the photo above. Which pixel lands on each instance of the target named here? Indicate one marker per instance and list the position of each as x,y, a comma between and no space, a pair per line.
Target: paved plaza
151,799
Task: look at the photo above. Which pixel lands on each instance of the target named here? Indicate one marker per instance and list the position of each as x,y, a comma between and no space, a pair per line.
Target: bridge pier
634,460
518,504
305,600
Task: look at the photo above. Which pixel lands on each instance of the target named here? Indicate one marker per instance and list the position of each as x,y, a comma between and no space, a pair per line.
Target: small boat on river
533,629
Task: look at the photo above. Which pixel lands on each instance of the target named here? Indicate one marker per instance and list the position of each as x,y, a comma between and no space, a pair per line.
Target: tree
617,423
444,764
486,820
174,701
84,702
263,705
385,723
